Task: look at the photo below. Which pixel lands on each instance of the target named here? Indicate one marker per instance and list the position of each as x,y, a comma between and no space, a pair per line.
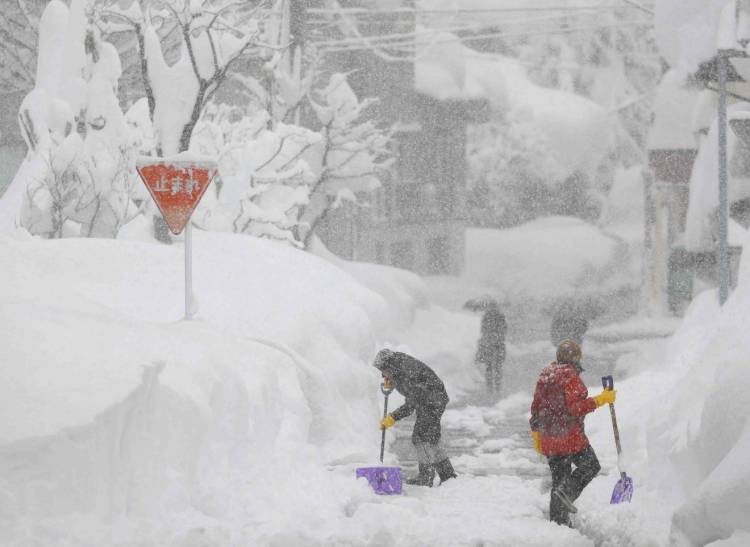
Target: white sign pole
188,271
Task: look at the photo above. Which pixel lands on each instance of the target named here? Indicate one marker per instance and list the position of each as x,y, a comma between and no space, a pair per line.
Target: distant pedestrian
560,404
424,393
491,347
568,325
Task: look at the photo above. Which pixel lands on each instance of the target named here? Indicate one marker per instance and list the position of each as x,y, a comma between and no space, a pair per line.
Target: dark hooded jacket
417,382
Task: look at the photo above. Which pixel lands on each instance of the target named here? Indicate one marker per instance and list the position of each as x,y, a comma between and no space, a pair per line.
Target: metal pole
188,271
723,258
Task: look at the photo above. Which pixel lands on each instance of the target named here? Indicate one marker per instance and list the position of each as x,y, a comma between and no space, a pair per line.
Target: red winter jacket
561,401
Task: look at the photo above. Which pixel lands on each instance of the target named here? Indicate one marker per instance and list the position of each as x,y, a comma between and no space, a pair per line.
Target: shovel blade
383,480
623,490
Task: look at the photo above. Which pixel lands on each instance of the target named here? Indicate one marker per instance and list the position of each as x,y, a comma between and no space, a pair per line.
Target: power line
639,6
427,31
411,11
400,44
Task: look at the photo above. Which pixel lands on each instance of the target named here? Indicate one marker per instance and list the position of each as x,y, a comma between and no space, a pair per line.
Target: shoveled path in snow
482,440
501,496
492,438
490,447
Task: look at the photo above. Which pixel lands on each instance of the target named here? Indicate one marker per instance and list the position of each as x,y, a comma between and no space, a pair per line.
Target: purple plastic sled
383,480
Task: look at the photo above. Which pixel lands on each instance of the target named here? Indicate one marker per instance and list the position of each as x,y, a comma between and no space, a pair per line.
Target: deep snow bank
403,290
685,427
706,431
112,407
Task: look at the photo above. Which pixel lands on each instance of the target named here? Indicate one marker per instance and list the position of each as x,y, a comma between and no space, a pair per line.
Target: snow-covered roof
688,32
673,108
577,128
575,247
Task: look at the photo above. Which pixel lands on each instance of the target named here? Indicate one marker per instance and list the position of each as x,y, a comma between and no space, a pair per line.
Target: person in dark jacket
491,347
561,401
424,393
568,325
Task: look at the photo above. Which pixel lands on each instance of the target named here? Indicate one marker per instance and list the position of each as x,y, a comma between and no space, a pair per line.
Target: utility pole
723,252
297,21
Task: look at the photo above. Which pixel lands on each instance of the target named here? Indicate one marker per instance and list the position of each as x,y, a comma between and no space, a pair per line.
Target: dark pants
493,376
427,426
572,482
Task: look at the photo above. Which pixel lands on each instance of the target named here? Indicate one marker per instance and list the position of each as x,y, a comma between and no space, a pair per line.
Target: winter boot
445,470
424,478
561,495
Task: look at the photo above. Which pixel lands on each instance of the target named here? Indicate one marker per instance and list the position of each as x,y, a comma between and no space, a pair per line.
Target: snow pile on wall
115,411
547,257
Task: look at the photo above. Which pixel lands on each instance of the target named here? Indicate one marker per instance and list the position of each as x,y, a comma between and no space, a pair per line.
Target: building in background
12,147
682,228
672,148
18,49
417,219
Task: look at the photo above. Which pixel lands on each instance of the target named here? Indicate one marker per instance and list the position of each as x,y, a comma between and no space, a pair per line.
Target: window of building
438,261
407,201
410,159
402,254
380,253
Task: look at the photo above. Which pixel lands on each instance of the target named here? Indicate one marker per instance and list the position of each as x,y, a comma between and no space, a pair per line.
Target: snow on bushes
80,152
277,179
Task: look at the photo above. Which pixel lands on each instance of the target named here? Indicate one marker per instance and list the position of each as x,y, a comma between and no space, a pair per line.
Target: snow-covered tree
512,177
352,152
614,62
265,177
80,149
213,36
184,51
278,179
607,55
351,157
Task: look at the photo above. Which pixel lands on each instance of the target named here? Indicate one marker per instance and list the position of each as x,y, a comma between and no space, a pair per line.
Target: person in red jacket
561,401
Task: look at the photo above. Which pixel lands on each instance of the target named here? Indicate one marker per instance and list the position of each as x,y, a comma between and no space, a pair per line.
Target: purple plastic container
384,480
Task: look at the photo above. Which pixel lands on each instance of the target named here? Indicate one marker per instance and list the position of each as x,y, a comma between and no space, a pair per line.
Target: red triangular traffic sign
176,186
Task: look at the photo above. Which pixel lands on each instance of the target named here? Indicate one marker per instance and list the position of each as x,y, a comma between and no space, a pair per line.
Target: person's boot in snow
445,470
424,478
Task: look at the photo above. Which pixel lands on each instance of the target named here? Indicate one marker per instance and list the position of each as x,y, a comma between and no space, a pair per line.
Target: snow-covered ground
125,425
112,407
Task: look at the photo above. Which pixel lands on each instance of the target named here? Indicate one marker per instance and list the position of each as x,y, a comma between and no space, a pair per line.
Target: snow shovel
383,479
624,488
